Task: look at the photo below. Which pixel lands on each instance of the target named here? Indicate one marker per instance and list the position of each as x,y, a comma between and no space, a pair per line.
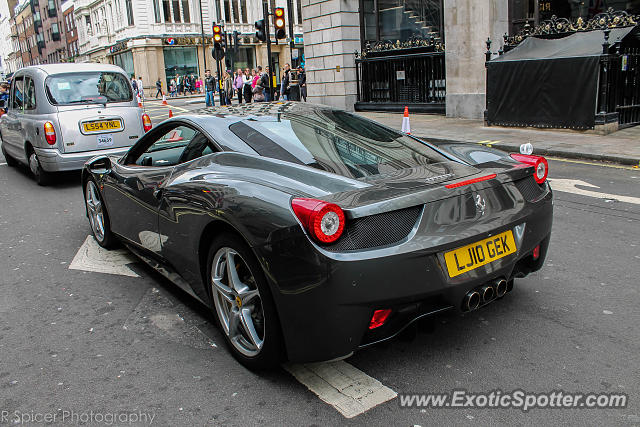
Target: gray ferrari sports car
312,232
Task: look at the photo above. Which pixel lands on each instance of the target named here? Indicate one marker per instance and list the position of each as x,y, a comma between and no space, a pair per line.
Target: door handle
157,193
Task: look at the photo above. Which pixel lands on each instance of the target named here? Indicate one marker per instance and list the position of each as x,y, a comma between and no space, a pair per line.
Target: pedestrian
254,77
172,88
284,82
4,96
199,88
134,85
179,84
210,89
246,87
258,91
193,84
227,88
267,85
158,87
302,82
140,88
238,84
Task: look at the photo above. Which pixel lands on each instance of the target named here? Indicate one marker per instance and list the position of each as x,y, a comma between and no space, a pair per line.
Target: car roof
231,114
74,68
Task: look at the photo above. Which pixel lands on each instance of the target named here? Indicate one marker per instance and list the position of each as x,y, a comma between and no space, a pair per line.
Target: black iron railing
412,79
622,91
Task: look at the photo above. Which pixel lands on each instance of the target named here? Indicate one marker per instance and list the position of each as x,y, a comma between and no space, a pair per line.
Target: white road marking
93,257
349,390
569,186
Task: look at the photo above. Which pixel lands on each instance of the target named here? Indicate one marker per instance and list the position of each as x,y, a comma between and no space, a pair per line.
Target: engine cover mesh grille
529,188
376,230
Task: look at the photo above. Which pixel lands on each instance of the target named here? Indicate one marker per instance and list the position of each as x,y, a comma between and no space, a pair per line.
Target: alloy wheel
94,209
33,164
238,302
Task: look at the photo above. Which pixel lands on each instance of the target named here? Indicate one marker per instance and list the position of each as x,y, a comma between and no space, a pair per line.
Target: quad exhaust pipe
484,294
471,300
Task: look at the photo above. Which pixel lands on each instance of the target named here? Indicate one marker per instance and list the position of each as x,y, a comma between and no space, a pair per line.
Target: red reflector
471,181
379,317
536,252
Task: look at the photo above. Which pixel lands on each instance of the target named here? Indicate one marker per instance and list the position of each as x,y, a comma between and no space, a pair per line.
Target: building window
180,61
176,10
401,19
166,10
185,11
236,15
243,5
299,4
156,11
129,6
227,11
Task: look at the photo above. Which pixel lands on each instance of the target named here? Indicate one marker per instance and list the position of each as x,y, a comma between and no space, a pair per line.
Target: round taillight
541,170
538,162
146,122
323,221
49,133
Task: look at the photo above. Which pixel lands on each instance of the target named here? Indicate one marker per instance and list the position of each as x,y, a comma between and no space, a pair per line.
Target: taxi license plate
477,254
102,126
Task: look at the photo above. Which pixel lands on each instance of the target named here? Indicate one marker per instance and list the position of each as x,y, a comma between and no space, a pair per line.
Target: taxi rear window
88,87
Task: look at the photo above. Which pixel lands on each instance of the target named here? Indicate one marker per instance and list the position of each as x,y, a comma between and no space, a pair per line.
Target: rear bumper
53,160
325,302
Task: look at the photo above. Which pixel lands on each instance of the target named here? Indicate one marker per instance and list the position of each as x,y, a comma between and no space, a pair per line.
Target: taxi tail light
49,133
379,318
323,221
146,122
538,162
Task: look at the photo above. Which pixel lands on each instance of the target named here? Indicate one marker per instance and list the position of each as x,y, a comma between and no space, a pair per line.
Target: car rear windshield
335,141
88,88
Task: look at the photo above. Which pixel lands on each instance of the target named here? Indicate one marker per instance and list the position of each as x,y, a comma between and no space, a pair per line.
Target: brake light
379,318
146,122
49,133
471,181
539,162
323,221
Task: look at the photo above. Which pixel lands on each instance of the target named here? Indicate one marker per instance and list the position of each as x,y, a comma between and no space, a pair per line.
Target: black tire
41,176
270,355
106,239
11,162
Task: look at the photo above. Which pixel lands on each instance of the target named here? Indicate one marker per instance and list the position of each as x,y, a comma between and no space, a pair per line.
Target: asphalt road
82,341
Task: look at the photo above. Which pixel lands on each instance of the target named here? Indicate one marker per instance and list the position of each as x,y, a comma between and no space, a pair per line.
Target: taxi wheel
41,176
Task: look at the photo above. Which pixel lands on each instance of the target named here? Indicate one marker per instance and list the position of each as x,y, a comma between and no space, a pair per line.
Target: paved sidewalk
619,147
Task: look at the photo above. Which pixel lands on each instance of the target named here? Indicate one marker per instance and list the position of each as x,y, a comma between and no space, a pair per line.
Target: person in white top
247,78
140,88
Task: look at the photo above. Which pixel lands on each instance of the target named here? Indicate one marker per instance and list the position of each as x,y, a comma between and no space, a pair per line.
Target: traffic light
218,42
261,34
278,16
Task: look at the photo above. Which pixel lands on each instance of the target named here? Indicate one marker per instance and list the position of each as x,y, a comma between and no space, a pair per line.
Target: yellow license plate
477,254
102,126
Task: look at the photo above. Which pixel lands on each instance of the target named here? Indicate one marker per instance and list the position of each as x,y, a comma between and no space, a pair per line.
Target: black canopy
548,82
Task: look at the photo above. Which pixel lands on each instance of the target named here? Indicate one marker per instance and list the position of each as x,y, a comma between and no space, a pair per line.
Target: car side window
29,94
178,145
17,89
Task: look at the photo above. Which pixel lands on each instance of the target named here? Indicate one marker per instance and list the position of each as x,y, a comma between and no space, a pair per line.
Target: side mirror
101,165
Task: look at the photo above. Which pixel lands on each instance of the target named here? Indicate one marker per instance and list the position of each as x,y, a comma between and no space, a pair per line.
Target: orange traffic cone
139,102
406,127
170,113
164,99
